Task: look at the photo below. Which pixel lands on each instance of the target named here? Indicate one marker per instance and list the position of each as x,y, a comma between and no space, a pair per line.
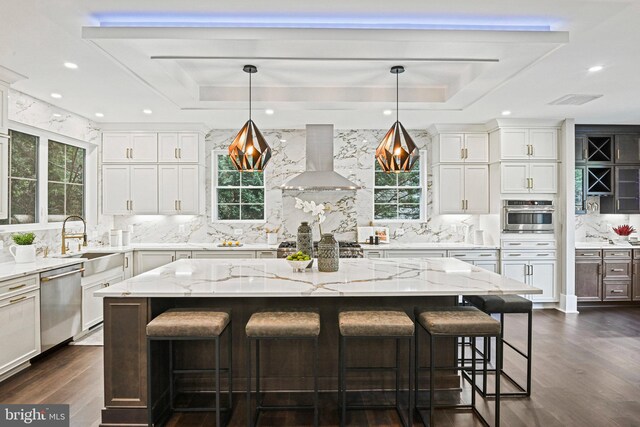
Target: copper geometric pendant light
249,151
397,152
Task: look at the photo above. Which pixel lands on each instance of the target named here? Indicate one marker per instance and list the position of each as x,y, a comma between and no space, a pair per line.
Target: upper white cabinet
463,189
128,147
179,189
178,147
129,189
4,108
461,148
525,144
528,177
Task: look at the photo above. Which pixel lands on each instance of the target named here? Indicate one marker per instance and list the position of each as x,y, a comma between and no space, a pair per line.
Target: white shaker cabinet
528,177
129,189
544,144
175,147
128,265
462,148
178,189
537,269
148,260
463,189
528,144
544,177
20,331
127,147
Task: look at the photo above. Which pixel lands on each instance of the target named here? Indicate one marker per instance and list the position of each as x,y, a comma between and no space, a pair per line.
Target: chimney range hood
319,173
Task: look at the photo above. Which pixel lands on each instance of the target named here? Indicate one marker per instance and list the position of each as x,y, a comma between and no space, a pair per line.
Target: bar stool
375,324
195,324
454,322
281,325
502,305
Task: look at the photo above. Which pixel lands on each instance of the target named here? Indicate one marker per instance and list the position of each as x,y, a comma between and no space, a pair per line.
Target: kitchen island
245,286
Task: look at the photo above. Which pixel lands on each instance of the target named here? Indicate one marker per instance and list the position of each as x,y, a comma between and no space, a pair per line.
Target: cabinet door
515,269
544,177
128,265
91,305
188,147
115,147
168,147
115,189
224,254
148,260
544,144
188,200
451,146
451,189
513,177
4,177
580,193
487,265
581,149
144,147
476,189
627,148
635,291
477,147
588,280
144,189
266,254
627,189
513,144
543,276
183,254
20,332
168,189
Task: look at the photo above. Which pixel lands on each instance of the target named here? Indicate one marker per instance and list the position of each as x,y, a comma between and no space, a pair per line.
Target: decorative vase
328,253
304,241
23,253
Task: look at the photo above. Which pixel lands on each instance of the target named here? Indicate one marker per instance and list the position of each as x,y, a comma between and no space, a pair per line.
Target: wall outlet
400,231
238,231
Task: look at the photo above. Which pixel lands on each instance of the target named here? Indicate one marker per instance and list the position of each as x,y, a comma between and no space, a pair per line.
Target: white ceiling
310,75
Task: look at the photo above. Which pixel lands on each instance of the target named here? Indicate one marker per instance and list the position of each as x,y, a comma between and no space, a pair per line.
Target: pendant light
397,152
249,151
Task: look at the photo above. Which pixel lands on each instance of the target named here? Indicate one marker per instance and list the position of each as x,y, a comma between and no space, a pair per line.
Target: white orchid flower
321,218
299,203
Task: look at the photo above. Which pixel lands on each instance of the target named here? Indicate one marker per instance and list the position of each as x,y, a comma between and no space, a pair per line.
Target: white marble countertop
171,247
427,245
356,277
11,270
605,245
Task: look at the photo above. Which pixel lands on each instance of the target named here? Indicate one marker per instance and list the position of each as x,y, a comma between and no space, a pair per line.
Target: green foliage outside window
23,179
66,181
396,196
239,196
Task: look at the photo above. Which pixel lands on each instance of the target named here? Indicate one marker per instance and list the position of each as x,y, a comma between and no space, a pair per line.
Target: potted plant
624,231
24,250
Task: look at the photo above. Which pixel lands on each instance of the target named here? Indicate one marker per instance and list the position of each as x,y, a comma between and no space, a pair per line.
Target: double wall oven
528,216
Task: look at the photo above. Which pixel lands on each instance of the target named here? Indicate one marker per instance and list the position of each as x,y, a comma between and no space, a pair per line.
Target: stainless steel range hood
319,174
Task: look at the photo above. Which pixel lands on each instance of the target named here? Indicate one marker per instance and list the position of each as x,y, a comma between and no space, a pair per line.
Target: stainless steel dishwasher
60,305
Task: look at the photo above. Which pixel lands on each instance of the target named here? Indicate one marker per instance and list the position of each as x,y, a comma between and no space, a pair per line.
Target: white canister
126,238
115,238
272,238
23,253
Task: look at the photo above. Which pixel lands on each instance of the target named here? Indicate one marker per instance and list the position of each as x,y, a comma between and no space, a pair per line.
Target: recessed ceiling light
269,111
506,113
596,68
71,65
99,115
283,140
387,112
56,95
364,141
57,115
147,111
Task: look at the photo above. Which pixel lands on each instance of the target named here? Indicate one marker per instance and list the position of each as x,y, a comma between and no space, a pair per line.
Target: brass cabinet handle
131,204
180,205
532,150
462,153
126,262
17,287
175,153
131,152
13,301
179,153
618,154
175,205
462,201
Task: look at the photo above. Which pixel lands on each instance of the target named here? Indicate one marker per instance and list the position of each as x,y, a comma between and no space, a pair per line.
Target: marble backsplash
596,227
354,158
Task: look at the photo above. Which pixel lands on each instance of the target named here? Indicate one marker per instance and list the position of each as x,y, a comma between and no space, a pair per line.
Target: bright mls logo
34,415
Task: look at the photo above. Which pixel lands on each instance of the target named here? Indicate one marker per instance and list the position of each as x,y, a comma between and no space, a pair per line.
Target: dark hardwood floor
586,373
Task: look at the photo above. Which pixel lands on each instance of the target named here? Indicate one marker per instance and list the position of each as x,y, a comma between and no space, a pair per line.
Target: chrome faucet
66,236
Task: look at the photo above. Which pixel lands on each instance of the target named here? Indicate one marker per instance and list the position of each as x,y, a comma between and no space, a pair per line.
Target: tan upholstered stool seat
372,323
463,321
284,324
188,322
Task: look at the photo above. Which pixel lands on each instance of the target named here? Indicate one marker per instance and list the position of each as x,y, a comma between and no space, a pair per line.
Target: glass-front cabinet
581,195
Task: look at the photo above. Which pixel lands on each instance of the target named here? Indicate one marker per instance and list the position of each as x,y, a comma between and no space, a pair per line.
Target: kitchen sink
97,262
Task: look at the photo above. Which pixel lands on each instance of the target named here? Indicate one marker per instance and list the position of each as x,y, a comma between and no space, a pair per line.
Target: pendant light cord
250,96
397,98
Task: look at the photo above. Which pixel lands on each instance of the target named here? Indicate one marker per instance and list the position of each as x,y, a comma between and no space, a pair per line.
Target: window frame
42,199
65,183
422,169
214,194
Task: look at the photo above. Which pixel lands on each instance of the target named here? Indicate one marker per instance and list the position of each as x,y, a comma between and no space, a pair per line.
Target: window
23,179
66,181
398,196
237,196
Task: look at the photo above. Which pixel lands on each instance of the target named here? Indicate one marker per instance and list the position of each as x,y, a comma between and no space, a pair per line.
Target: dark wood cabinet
588,279
627,148
635,291
626,194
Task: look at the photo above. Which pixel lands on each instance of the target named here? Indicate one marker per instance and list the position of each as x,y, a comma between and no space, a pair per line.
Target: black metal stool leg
217,375
230,373
171,376
316,397
149,389
498,371
529,348
398,375
412,372
343,396
249,369
432,379
473,371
